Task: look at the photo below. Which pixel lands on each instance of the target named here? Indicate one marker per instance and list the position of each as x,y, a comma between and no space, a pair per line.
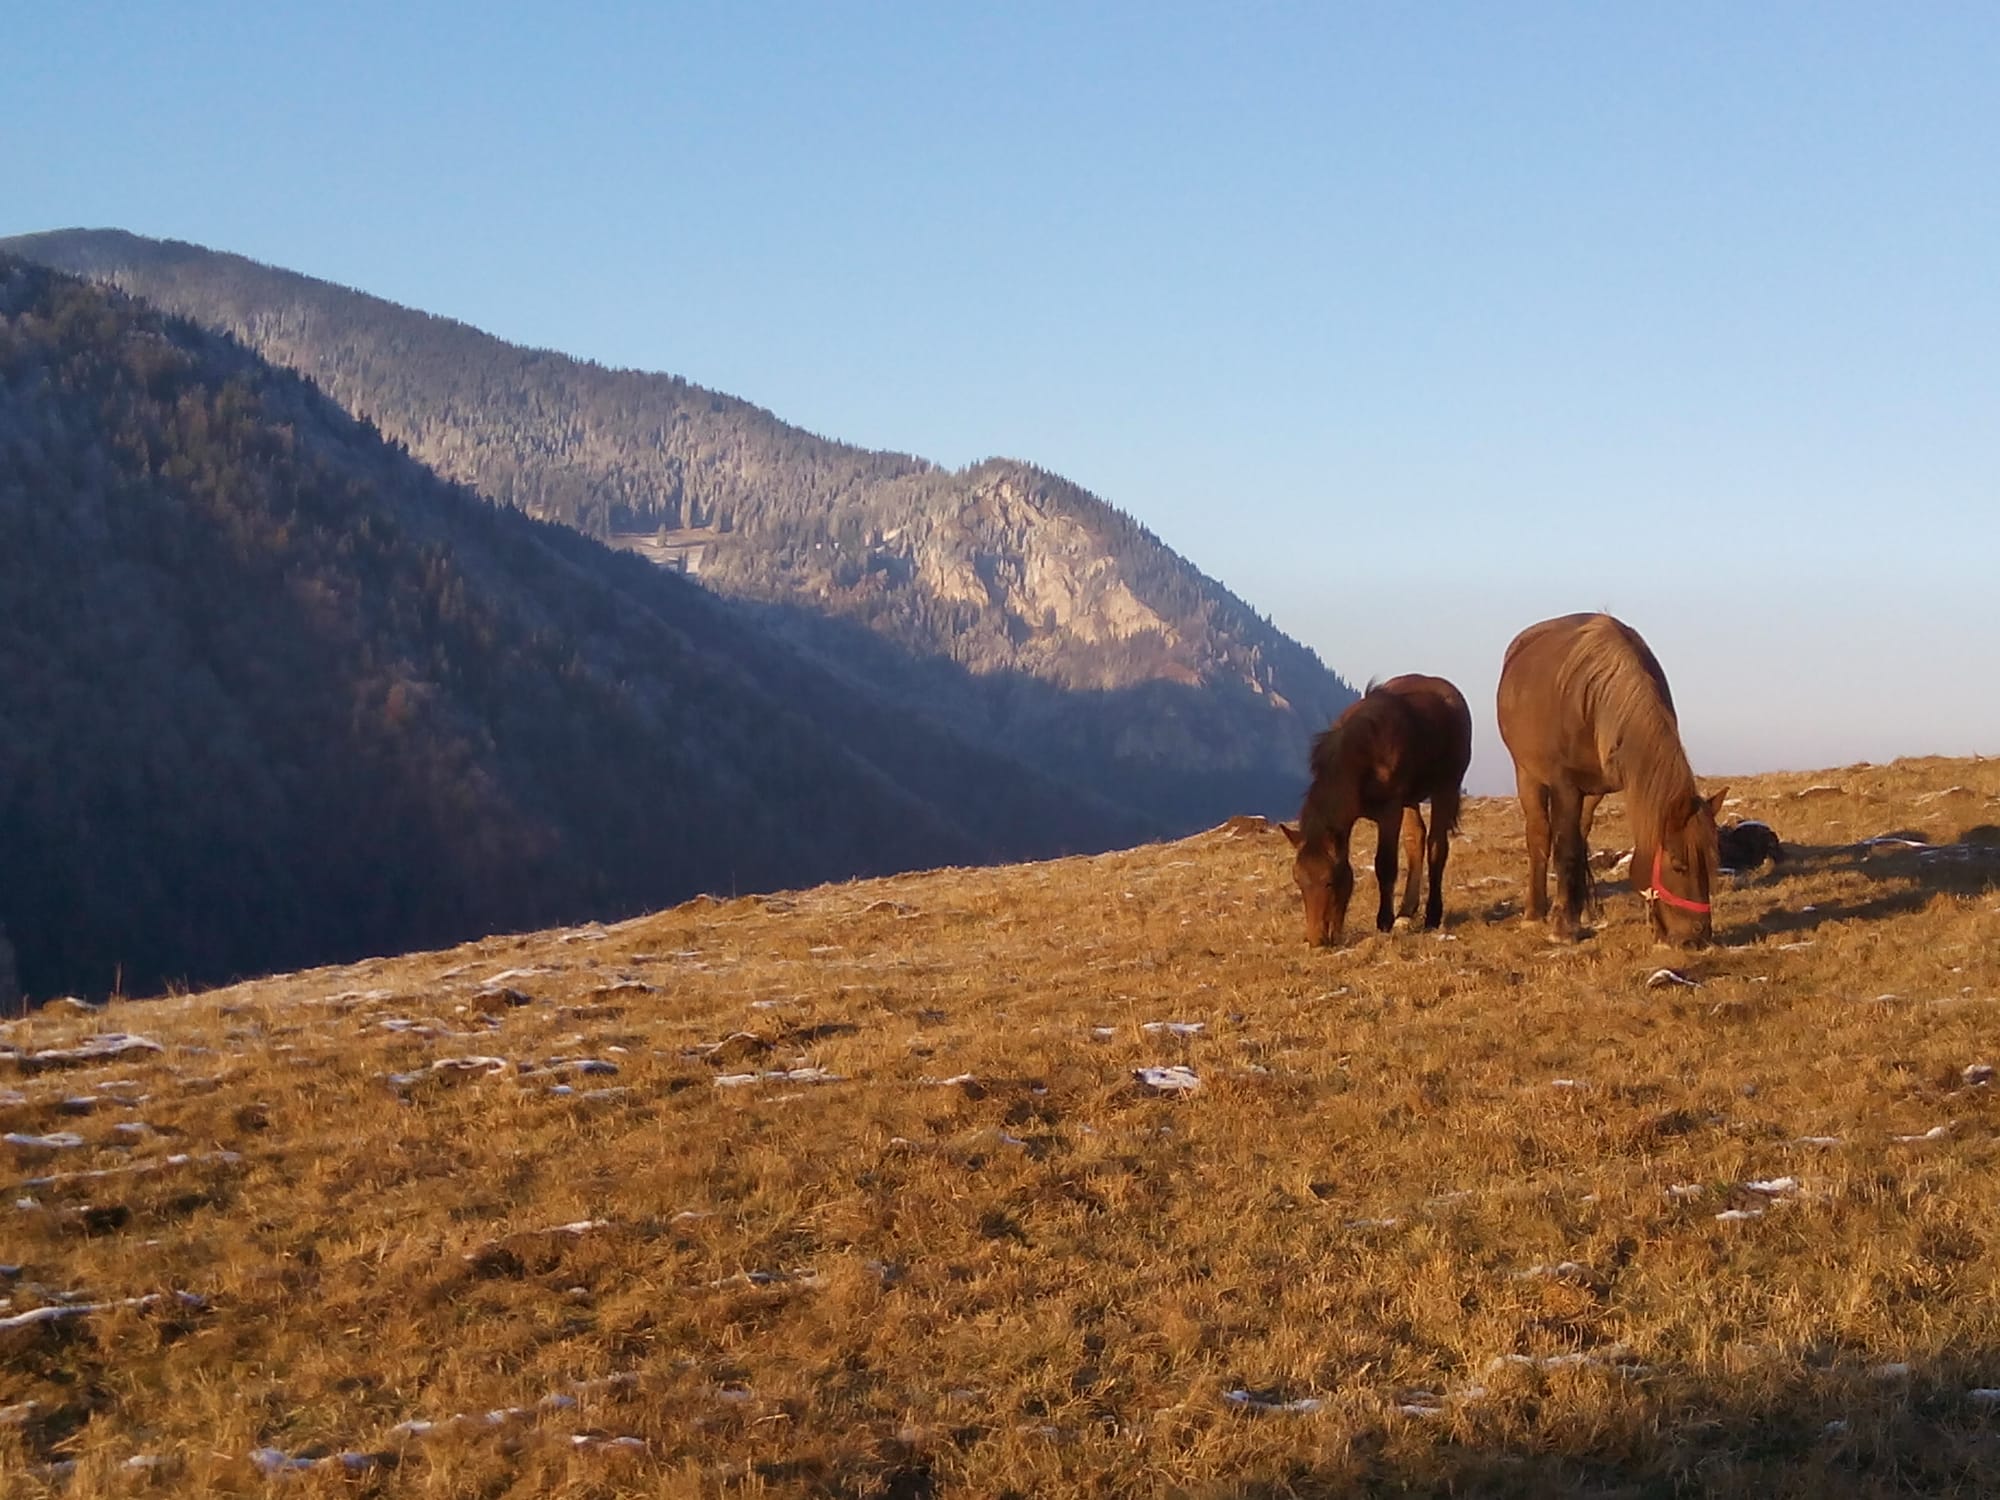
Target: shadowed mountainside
1083,644
273,693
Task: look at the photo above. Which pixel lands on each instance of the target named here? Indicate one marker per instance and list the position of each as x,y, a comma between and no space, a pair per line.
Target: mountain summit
1000,601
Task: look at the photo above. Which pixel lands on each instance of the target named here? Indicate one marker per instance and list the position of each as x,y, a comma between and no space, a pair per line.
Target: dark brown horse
1585,710
1404,740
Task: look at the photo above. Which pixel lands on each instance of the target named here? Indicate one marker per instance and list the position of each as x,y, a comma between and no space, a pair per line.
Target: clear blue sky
1413,324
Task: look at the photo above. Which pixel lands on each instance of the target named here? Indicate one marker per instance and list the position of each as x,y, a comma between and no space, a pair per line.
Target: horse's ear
1292,834
1715,803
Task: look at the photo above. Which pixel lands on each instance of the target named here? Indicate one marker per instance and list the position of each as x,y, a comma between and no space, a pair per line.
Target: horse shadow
1822,1433
1910,869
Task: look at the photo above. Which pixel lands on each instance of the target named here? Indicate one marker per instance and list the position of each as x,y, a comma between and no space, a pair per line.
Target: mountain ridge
275,693
1001,569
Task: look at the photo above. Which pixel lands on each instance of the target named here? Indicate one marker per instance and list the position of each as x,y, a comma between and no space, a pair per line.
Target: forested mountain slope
272,692
1021,610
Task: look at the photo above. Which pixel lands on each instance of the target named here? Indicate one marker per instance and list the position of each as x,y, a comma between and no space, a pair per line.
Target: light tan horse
1585,710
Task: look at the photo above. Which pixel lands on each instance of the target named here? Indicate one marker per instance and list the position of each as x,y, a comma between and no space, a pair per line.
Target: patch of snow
471,1066
777,1075
1168,1080
1935,1133
1615,1357
62,1312
1254,1401
94,1049
585,1066
156,1164
1774,1186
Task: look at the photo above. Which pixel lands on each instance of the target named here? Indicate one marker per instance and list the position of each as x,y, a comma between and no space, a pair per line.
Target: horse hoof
1404,924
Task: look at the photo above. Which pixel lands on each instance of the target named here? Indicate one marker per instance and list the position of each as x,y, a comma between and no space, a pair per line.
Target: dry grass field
857,1192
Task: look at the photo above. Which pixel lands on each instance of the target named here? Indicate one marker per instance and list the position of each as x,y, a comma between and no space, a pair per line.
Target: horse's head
1317,875
1682,874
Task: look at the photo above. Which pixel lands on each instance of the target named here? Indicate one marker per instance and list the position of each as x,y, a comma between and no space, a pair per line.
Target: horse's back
1440,726
1552,680
1437,703
1537,653
1527,703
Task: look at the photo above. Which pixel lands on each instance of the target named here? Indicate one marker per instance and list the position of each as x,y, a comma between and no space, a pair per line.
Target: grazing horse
1585,710
1402,741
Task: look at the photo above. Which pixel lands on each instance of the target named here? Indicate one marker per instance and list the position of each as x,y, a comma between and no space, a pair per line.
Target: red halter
1658,892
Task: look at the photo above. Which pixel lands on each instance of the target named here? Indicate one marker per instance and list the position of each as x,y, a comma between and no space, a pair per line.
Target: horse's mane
1611,675
1361,725
1316,812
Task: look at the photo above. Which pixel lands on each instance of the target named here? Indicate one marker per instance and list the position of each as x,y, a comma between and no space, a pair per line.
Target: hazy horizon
1411,328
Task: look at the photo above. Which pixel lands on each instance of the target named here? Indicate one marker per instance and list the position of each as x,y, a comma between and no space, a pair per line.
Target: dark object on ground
1746,845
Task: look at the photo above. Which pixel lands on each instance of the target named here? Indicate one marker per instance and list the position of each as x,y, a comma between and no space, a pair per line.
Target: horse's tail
1457,810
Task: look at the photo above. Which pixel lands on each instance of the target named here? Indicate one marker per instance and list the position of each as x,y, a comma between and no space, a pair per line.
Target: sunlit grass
1450,1204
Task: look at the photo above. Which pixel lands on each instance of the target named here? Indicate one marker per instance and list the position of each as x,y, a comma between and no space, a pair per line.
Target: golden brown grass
1043,1278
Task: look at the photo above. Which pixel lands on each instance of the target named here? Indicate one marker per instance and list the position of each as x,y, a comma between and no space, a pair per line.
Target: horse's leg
1591,906
1413,862
1385,871
1589,815
1572,866
1444,813
1343,878
1535,813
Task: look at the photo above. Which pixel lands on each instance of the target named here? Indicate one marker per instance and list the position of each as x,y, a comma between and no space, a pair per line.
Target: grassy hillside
1022,611
855,1192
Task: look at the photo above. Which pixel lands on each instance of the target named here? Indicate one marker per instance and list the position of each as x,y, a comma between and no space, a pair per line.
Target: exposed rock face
1093,650
1048,578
